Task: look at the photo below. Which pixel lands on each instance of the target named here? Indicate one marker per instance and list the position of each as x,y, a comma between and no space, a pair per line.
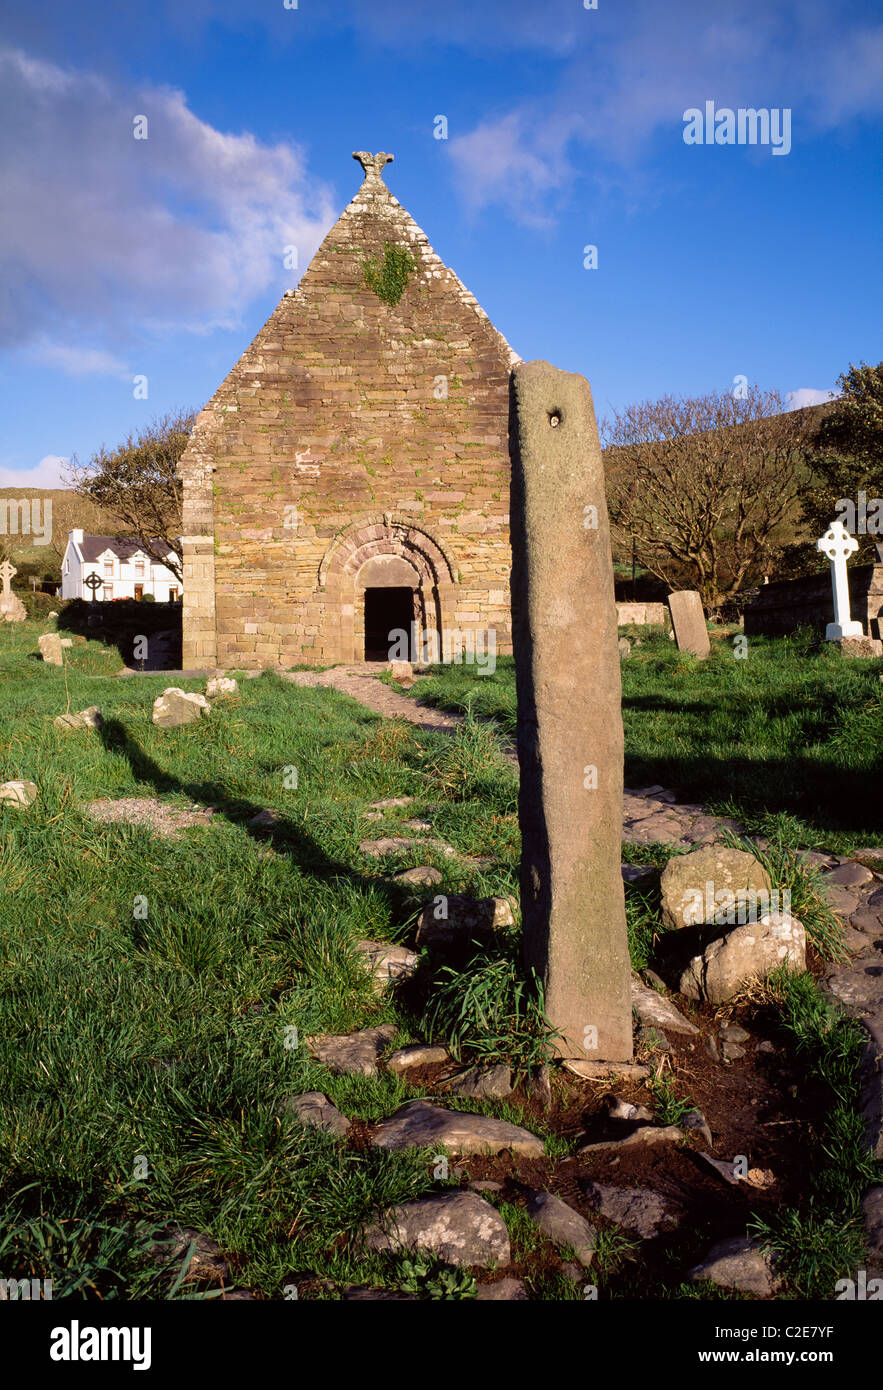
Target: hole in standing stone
554,418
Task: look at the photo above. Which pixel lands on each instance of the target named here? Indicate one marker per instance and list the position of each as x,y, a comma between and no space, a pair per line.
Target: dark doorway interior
386,610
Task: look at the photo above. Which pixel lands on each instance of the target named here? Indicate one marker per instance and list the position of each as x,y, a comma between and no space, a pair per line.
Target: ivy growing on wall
388,278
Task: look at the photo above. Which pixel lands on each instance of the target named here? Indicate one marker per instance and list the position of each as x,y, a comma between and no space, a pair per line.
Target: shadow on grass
826,796
285,837
119,624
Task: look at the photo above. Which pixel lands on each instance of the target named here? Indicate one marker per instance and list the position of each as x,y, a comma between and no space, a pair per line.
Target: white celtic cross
7,572
838,545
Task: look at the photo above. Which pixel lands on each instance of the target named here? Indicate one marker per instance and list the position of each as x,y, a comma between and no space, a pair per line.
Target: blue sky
163,257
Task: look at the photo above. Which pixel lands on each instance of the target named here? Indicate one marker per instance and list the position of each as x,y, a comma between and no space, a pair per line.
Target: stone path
649,814
362,682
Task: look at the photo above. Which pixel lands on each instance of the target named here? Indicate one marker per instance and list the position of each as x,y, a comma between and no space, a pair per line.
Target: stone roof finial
373,164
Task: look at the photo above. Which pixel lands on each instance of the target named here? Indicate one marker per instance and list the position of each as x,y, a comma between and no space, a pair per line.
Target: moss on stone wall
388,278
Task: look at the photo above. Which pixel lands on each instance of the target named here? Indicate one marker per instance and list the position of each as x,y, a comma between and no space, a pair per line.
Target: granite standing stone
688,621
570,740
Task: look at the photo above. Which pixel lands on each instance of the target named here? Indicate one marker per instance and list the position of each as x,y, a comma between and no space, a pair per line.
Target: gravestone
570,740
50,648
837,544
12,610
688,621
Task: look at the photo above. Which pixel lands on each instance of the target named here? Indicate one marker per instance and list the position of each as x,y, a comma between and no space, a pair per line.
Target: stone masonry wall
331,443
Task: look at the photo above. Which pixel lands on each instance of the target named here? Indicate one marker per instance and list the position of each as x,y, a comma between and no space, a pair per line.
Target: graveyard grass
145,1059
788,739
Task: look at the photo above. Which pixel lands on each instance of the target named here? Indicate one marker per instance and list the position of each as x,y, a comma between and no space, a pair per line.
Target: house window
108,568
173,595
139,567
107,593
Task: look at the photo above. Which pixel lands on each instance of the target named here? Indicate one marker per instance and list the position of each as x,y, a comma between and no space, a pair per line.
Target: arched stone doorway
381,571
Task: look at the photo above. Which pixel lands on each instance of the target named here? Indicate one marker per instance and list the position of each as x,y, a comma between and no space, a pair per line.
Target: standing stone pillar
570,740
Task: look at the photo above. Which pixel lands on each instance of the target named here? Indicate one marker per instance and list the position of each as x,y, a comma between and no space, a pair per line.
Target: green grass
670,1108
489,1010
787,739
128,1040
146,1055
820,1240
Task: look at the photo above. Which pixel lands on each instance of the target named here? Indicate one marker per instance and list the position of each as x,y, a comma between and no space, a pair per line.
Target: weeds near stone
491,1011
822,1242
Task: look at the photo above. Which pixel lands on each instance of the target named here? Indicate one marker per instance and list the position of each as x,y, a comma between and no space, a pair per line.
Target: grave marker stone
570,739
12,610
50,648
838,545
688,621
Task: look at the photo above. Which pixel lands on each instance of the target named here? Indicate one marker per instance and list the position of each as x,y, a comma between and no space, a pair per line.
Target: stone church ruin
350,476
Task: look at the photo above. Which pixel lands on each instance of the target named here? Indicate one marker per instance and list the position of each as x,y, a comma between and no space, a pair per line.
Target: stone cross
570,739
838,545
7,574
373,164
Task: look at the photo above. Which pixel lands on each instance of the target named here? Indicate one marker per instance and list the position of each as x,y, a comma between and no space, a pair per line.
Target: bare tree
136,485
707,486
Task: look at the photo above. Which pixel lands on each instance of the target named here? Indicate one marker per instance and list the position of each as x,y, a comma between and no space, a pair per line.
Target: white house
124,568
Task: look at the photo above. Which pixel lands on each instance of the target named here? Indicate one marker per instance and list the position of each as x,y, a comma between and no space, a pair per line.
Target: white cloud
513,161
47,473
629,78
808,395
113,237
78,361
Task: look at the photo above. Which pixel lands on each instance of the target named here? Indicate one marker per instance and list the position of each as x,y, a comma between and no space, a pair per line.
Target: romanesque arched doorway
379,576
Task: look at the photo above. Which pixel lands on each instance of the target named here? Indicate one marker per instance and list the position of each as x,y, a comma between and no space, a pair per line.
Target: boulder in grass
221,685
402,673
714,884
483,1083
19,793
419,1124
90,718
176,707
739,1263
387,963
453,919
557,1220
744,954
172,1244
423,876
355,1053
315,1110
459,1228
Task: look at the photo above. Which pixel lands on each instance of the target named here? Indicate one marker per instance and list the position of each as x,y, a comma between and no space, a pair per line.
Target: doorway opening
385,611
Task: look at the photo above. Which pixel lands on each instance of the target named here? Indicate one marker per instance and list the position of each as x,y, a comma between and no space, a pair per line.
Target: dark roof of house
94,546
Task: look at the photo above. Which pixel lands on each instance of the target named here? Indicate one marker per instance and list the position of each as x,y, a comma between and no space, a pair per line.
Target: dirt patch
751,1107
159,817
